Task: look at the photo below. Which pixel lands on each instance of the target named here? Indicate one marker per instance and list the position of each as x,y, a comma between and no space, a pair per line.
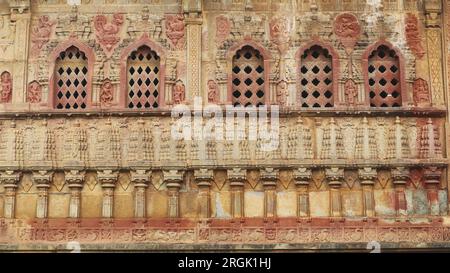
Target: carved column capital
203,177
237,176
269,176
42,178
74,178
367,175
432,175
10,179
334,176
433,12
173,178
302,176
140,178
400,175
107,178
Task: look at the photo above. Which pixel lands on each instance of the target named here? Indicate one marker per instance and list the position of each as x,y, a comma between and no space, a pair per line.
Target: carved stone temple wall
87,155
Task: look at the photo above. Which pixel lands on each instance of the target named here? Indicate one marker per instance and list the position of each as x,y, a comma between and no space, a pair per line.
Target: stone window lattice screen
71,84
248,78
384,78
316,78
143,70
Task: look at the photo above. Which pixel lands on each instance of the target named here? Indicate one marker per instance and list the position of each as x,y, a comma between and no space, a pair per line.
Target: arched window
248,77
316,77
143,78
71,79
384,78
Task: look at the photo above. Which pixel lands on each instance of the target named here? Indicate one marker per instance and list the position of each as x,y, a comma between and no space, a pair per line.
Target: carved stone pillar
42,180
107,179
367,177
335,177
302,176
74,179
204,178
269,178
173,180
432,176
10,179
237,178
193,21
400,176
140,178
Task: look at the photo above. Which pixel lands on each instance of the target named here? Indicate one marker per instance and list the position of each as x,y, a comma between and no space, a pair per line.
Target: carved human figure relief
106,93
34,92
279,33
175,29
413,35
6,87
282,92
107,33
178,92
213,92
351,92
223,28
347,29
40,34
421,92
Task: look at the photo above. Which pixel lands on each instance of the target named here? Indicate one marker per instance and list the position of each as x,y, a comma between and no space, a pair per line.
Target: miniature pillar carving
140,178
335,176
269,178
302,177
237,178
10,179
107,179
204,178
74,179
432,177
367,177
42,180
173,179
400,176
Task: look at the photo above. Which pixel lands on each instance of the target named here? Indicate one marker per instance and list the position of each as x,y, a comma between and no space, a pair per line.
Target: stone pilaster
173,180
140,178
432,177
400,176
335,177
10,179
75,179
237,178
107,179
269,179
193,21
204,179
367,177
42,180
302,177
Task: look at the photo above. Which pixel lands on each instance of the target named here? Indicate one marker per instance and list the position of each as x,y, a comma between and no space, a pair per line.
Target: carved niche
6,87
282,92
106,93
223,29
213,92
279,33
34,92
178,92
421,93
107,33
175,29
351,92
40,34
347,29
413,35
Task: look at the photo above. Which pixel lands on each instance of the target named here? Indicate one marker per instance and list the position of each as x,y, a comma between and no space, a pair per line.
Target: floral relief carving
347,29
223,28
34,92
106,93
40,34
6,85
175,29
107,33
413,35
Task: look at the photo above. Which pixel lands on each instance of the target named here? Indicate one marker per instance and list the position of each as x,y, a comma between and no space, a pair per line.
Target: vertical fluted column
140,179
367,177
74,179
173,180
269,178
10,179
107,179
42,180
204,178
237,178
302,176
335,177
432,176
400,176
